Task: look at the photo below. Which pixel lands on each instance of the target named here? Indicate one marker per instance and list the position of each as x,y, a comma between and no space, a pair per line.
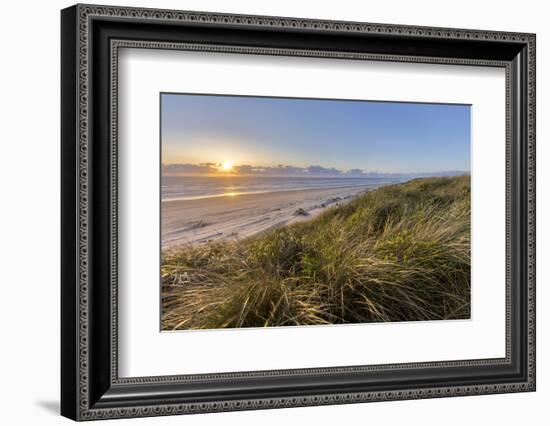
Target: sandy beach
236,217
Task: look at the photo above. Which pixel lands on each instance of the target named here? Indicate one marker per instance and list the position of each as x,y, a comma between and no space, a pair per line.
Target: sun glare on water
226,166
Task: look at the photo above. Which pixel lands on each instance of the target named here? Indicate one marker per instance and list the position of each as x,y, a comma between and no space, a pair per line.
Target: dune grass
399,253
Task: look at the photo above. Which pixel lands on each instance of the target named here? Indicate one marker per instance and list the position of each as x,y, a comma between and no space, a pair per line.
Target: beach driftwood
301,212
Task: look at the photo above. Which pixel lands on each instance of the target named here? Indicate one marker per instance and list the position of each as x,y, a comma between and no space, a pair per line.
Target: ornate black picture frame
91,36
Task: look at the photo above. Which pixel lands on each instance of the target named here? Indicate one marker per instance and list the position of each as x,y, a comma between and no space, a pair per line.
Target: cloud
204,168
283,170
288,170
320,170
247,169
355,172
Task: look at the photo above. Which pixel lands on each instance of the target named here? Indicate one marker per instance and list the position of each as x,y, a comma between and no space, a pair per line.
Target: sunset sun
226,166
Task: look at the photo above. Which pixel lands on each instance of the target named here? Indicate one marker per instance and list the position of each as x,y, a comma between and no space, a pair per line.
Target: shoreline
234,217
235,194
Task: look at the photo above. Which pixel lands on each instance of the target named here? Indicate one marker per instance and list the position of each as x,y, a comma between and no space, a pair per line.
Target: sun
226,166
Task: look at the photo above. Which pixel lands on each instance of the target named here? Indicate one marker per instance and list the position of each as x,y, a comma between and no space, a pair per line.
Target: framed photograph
263,212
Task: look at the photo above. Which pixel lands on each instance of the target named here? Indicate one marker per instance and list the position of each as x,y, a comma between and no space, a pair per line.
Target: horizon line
313,169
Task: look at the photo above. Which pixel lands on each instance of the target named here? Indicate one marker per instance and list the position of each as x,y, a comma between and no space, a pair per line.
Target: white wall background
29,212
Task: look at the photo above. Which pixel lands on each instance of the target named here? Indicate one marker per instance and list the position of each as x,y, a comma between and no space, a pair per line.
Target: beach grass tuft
398,253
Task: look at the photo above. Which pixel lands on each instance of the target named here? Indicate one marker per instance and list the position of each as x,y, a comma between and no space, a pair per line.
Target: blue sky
388,137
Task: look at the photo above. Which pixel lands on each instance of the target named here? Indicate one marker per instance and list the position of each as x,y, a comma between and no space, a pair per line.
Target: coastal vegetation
398,253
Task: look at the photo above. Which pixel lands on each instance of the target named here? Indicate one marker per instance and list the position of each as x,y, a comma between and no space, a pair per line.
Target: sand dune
235,217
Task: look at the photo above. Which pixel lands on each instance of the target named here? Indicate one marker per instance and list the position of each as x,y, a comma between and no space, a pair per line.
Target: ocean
197,187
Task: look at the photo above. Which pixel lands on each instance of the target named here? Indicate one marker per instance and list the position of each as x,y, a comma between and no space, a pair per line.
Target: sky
262,132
